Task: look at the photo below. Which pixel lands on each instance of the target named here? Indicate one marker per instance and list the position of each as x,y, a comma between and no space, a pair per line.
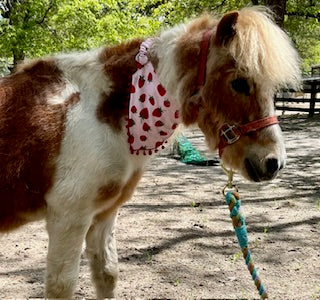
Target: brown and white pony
64,152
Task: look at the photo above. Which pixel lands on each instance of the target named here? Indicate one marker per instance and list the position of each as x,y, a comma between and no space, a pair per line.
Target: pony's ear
190,109
225,29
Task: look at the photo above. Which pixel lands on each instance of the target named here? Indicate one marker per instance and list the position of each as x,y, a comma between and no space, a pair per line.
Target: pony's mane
263,50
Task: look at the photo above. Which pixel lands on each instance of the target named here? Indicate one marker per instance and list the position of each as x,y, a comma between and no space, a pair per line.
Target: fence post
312,98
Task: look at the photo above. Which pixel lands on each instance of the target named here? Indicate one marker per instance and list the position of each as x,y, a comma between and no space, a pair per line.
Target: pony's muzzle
266,170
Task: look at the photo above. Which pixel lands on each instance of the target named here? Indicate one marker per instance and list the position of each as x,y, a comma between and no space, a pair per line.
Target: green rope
233,201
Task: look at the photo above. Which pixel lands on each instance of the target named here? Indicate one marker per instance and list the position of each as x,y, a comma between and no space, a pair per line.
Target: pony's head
248,59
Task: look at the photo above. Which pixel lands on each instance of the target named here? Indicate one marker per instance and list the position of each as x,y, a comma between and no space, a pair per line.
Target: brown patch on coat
31,131
125,194
188,63
204,22
109,191
71,101
188,57
119,65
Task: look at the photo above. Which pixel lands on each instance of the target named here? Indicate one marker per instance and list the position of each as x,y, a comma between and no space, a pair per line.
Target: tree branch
219,5
40,22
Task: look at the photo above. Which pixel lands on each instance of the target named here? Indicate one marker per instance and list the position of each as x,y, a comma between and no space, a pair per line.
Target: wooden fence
306,101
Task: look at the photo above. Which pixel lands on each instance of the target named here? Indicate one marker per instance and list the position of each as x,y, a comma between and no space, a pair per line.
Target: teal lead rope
233,201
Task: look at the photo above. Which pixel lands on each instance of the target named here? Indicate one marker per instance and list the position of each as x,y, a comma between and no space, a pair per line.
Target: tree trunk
279,9
18,56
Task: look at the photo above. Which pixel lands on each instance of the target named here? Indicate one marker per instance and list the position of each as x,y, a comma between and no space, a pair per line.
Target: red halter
229,134
205,43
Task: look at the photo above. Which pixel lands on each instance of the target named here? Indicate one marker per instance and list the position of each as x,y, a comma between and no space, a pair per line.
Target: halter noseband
229,134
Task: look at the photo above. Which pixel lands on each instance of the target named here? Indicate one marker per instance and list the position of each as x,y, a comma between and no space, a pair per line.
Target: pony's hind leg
102,254
66,236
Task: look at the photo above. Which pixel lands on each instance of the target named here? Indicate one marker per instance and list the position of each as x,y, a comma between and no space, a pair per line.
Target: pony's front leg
102,253
66,236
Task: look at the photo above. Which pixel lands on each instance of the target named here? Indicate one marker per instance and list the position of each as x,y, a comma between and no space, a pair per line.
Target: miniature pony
66,149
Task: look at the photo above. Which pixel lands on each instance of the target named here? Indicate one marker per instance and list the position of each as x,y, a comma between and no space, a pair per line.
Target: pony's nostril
272,166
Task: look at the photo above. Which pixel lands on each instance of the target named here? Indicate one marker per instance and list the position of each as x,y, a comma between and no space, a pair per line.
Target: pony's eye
241,85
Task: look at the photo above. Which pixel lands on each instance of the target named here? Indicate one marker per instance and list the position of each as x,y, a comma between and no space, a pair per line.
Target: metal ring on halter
227,188
230,186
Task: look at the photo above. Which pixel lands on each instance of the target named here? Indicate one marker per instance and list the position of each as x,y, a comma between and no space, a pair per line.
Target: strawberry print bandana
153,114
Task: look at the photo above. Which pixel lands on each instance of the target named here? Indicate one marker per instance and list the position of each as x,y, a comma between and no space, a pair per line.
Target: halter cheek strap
229,134
204,48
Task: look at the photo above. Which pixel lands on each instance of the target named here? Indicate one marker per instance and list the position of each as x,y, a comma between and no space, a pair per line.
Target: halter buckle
230,133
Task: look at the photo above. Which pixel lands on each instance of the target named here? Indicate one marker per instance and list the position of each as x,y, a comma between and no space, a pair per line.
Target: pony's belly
16,211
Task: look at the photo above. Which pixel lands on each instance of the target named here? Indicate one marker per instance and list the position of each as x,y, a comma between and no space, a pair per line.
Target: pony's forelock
263,51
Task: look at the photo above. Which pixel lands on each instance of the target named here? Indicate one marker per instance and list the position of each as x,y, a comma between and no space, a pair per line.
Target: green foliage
176,11
303,24
33,28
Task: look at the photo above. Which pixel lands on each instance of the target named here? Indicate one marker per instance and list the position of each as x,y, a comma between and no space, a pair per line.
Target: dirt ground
175,238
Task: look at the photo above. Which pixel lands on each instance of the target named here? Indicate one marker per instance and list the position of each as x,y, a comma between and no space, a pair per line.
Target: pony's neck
177,53
164,52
